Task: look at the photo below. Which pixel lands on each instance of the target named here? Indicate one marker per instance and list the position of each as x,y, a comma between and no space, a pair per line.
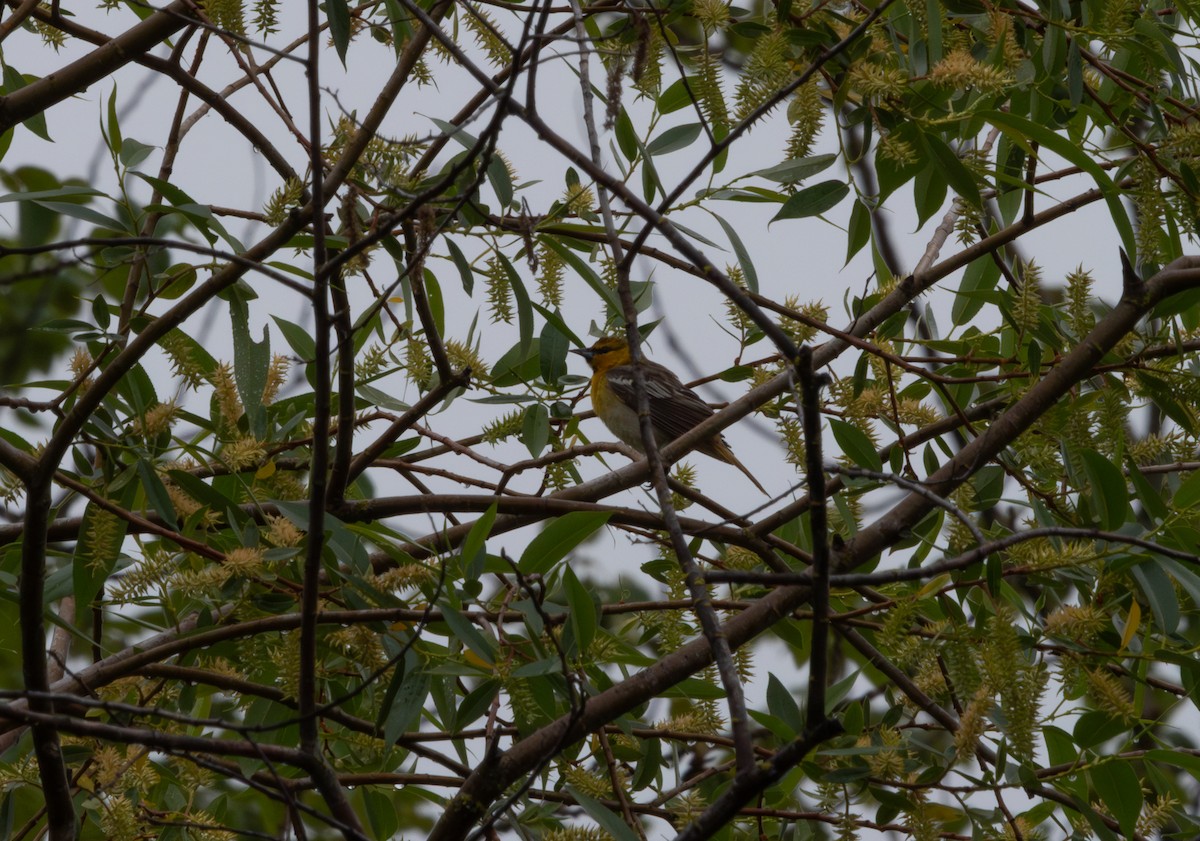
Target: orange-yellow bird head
607,352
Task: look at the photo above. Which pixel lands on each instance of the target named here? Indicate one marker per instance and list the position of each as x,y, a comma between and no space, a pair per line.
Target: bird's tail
721,450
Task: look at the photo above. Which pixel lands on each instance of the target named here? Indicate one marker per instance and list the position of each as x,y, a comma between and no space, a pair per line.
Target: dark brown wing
674,408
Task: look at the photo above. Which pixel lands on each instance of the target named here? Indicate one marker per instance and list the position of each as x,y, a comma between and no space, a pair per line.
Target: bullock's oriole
674,408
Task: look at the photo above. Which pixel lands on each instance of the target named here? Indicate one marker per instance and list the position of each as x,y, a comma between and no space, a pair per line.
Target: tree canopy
310,532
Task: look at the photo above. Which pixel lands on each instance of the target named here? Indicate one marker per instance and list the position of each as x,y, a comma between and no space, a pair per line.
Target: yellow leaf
933,585
475,660
266,471
942,813
1131,625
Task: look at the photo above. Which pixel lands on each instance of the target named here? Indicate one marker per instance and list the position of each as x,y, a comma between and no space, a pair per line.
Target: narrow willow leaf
535,429
466,633
338,14
559,538
1120,790
674,139
608,820
463,266
1108,490
1022,130
814,200
743,255
156,493
855,444
582,612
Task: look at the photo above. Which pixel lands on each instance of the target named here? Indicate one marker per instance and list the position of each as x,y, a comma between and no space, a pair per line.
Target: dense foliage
970,611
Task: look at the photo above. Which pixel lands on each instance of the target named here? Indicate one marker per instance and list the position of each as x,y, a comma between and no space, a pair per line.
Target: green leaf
14,80
609,296
300,340
1166,398
790,172
1188,495
405,698
133,153
1151,499
1184,575
466,632
197,356
978,280
552,353
97,551
535,429
1160,594
113,127
554,542
1119,789
955,171
555,318
463,137
933,12
338,12
251,364
674,139
782,704
859,232
609,821
346,546
814,200
649,764
1108,489
546,666
383,807
1187,761
855,445
201,491
175,281
1075,73
626,138
156,493
1021,130
70,192
100,312
476,703
84,214
198,214
1096,727
929,192
137,388
1060,747
743,255
582,613
517,365
521,297
463,266
989,485
433,296
676,96
501,180
471,550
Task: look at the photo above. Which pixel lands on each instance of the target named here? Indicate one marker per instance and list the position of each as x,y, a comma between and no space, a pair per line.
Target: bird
674,408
